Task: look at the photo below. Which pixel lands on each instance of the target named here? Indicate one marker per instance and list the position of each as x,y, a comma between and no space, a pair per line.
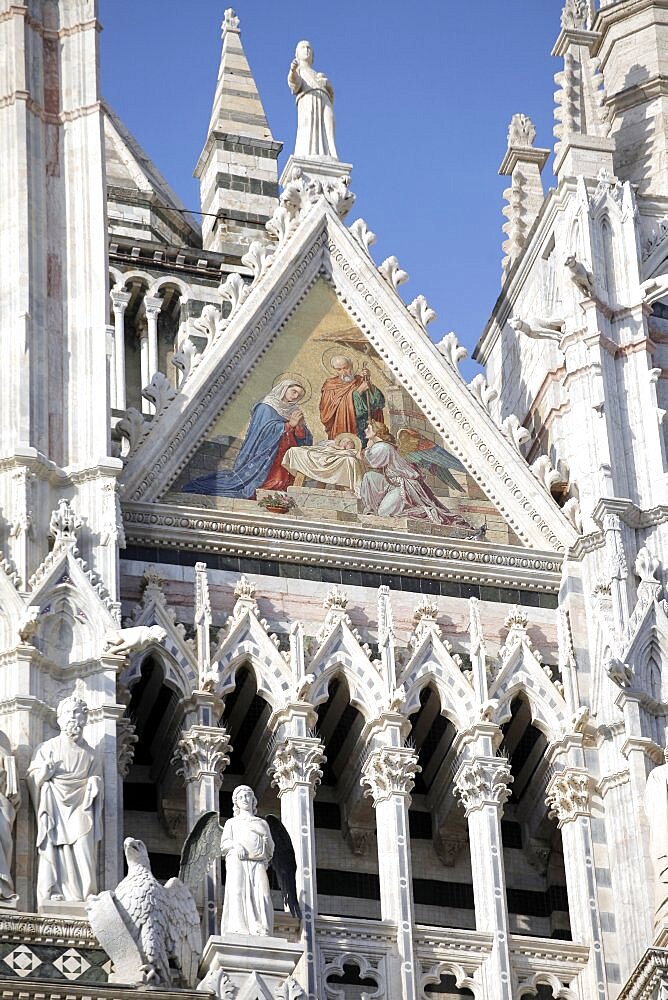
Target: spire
523,163
582,128
237,170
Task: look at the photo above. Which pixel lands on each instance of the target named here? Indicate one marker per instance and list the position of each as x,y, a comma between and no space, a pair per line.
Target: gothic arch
436,667
463,979
271,684
363,697
523,675
177,672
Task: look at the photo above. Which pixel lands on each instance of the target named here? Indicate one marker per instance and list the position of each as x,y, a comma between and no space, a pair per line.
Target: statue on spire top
315,106
230,21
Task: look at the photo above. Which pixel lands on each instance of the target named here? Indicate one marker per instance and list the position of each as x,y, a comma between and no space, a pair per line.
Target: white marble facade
456,734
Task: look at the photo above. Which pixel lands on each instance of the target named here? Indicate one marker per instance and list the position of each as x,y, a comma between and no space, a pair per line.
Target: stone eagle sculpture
151,932
250,844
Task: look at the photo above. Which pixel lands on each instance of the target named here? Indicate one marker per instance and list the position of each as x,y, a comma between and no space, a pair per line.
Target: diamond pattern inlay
71,964
22,961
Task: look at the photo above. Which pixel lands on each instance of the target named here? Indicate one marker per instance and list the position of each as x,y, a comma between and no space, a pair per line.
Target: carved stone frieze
389,771
297,761
568,795
483,781
202,750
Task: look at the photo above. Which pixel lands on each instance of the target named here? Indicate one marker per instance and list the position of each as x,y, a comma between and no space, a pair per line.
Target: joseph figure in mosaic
66,785
349,402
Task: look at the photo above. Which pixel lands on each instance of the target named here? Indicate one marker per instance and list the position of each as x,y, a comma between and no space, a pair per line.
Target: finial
521,131
230,22
575,15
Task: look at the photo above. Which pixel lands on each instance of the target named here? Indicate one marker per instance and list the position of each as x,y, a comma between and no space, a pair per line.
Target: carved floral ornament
569,795
483,781
297,761
389,771
203,750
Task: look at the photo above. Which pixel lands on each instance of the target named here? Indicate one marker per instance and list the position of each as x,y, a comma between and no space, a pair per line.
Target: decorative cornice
30,928
230,532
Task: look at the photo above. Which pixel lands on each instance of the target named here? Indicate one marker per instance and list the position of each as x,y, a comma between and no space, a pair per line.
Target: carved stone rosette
202,750
389,771
297,761
484,781
125,745
568,795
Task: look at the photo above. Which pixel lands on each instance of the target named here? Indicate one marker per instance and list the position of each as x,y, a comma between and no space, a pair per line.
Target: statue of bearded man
66,786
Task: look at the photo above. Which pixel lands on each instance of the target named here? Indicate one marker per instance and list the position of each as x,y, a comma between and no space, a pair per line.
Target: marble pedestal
325,168
269,959
63,908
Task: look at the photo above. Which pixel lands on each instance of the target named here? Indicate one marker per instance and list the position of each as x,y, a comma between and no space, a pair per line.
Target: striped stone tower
237,169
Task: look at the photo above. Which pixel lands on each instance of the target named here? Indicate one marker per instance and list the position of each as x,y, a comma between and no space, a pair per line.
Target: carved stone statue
315,106
66,786
656,808
10,799
249,845
150,931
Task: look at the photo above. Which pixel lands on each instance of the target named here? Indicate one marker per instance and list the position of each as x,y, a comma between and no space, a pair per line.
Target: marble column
119,301
569,797
388,776
152,307
296,773
142,333
202,756
482,783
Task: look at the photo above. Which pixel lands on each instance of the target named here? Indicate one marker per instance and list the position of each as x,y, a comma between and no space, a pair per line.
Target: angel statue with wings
249,844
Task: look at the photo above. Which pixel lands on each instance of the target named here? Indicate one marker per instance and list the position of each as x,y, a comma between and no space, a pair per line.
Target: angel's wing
200,851
284,864
438,462
184,943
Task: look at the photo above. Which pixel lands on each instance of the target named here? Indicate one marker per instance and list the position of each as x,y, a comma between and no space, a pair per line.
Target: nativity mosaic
320,430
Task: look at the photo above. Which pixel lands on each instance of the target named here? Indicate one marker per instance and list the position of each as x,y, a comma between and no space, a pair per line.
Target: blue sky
424,95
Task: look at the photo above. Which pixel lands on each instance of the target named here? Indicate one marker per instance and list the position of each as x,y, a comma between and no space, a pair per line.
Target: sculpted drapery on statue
247,847
315,105
249,844
10,799
656,807
66,786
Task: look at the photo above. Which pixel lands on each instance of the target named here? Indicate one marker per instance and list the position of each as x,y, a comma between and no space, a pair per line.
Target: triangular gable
322,246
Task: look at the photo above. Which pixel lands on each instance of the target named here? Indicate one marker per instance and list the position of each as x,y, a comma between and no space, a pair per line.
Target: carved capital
568,795
297,761
483,781
120,301
125,745
389,771
202,751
